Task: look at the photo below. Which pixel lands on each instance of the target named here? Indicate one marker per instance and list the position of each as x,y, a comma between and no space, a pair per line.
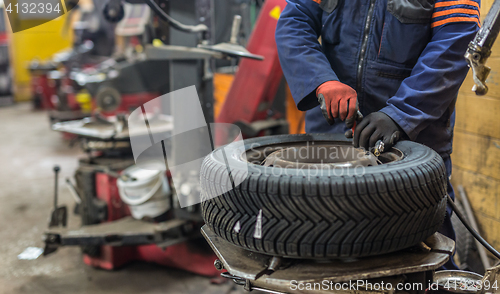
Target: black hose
471,230
174,23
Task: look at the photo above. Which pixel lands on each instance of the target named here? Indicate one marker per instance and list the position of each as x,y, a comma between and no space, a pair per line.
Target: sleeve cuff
309,100
395,113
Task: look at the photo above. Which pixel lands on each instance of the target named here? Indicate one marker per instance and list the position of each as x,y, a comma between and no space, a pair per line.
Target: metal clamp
480,71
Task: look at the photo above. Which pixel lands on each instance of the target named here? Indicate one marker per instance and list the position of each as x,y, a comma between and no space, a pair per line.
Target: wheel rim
317,155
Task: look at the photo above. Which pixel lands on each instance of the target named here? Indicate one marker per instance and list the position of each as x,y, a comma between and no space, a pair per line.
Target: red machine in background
52,82
254,88
42,87
184,255
256,82
87,78
109,237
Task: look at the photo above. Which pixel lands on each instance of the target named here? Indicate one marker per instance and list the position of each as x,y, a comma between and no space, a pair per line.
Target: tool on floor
59,215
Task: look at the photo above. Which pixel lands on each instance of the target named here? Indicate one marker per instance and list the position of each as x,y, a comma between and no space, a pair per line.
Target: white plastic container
147,194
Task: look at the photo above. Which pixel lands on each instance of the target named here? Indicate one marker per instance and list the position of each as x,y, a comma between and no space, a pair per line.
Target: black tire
382,209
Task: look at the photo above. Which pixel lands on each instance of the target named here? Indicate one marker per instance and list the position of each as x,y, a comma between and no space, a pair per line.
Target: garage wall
476,149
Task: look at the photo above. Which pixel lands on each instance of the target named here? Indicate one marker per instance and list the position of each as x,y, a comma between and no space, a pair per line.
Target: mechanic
400,61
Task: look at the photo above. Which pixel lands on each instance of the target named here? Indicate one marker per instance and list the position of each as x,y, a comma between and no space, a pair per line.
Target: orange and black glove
338,100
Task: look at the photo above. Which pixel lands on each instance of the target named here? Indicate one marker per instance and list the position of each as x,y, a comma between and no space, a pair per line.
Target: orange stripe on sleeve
456,10
317,1
460,2
455,19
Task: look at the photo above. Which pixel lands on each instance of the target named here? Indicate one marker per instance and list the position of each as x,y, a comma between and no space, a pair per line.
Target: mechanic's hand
377,126
340,99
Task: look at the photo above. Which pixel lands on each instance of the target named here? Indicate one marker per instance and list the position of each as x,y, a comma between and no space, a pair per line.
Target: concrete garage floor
28,152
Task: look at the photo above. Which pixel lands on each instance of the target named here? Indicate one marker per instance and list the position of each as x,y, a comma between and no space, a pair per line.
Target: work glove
340,100
374,127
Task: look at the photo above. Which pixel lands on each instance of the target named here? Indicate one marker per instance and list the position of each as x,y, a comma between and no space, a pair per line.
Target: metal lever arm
235,29
480,48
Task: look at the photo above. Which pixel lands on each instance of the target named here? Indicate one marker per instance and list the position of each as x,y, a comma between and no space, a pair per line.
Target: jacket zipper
364,45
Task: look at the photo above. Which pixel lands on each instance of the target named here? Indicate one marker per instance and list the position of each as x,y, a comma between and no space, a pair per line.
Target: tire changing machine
109,236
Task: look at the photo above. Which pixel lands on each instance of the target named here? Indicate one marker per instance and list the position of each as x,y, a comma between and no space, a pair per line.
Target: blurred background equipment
5,62
106,178
117,202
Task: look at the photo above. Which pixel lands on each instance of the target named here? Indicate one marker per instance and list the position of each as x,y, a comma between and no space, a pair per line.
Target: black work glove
377,126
